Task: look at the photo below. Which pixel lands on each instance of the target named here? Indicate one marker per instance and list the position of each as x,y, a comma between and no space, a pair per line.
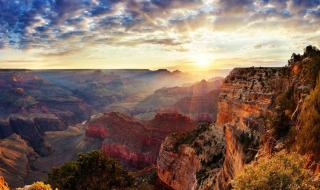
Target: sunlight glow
202,61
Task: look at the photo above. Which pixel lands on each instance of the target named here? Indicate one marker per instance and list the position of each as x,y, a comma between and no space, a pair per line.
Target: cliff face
15,158
258,107
31,128
191,160
246,95
248,92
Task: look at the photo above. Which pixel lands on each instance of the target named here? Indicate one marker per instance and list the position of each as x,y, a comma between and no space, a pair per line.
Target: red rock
131,158
178,170
97,132
134,142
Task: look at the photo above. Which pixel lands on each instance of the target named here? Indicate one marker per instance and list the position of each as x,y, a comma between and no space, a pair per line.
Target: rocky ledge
191,160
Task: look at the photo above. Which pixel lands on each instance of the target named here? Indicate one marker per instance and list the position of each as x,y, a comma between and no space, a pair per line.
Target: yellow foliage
282,171
40,186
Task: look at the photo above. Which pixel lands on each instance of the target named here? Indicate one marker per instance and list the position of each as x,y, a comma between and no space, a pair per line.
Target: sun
202,61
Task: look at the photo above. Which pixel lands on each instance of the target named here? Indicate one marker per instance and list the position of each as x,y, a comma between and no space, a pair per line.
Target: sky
174,34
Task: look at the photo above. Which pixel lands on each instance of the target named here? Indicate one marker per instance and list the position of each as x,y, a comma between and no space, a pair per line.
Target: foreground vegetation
90,171
282,171
308,137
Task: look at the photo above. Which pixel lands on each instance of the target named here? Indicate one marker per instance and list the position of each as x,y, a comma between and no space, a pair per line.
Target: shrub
90,171
39,186
189,137
282,171
308,136
279,120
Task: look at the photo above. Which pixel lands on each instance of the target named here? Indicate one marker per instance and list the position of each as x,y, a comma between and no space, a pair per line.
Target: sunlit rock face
192,160
15,159
135,143
250,94
178,170
246,95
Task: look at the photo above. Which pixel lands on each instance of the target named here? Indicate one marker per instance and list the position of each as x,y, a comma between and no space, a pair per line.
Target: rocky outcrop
31,128
246,95
64,146
191,160
178,170
250,98
134,142
15,159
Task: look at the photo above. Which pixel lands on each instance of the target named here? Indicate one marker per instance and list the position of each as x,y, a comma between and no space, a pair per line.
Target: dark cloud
271,44
234,6
302,6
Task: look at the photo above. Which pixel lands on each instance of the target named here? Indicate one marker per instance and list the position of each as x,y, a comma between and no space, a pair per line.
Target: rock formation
198,101
15,159
246,95
135,143
250,97
191,160
257,108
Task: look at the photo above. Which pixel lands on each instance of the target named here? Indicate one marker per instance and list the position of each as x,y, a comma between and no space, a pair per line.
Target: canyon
197,136
49,117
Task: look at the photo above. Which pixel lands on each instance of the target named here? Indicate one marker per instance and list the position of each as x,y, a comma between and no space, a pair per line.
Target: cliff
191,160
258,112
31,128
247,94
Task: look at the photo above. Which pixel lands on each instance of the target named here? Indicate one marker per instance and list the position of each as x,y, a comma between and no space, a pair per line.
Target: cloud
46,24
234,6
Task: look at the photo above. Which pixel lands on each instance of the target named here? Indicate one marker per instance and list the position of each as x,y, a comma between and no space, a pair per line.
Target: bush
90,171
282,171
39,186
279,121
36,186
308,136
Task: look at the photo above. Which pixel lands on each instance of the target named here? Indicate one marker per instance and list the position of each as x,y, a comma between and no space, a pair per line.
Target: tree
92,171
282,172
308,137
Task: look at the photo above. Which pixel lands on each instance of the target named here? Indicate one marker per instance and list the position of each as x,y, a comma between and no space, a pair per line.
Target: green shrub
279,120
90,171
308,136
282,171
189,137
